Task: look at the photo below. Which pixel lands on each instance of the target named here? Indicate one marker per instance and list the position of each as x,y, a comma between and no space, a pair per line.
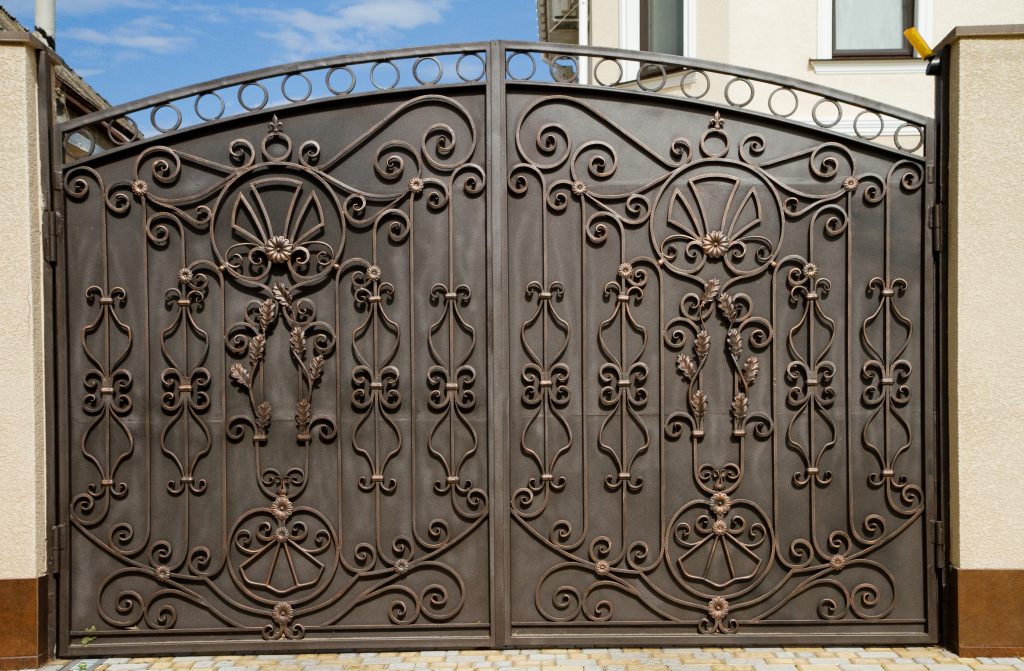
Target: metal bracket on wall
55,545
935,224
939,543
53,227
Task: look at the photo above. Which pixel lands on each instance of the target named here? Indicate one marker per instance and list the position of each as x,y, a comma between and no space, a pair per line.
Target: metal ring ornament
458,67
416,67
373,76
818,121
284,87
199,99
512,57
920,137
707,84
276,137
258,106
771,98
83,133
177,122
750,87
597,68
351,84
856,128
555,63
717,135
127,120
640,74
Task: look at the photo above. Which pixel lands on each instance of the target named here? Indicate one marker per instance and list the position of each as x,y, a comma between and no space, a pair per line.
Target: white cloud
161,44
400,14
72,7
77,7
26,8
358,26
143,34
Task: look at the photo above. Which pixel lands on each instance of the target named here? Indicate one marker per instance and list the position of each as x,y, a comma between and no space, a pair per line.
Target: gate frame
497,53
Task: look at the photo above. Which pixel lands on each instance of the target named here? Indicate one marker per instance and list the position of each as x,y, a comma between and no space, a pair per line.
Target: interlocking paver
586,659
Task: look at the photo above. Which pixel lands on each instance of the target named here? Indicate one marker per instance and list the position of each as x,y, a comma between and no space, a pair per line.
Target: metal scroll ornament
681,335
275,251
720,343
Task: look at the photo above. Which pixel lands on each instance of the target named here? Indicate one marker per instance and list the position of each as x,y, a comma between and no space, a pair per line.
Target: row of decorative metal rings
652,74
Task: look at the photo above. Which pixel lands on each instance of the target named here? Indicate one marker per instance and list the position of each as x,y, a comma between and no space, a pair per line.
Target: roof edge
12,30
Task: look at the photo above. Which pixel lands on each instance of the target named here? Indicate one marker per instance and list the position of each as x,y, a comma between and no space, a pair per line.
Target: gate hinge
52,230
935,224
55,545
939,542
57,182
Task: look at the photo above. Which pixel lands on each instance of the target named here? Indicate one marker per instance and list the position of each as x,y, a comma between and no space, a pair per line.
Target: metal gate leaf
518,360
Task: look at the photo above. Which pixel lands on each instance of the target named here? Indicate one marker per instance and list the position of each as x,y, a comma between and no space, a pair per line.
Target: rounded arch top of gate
787,99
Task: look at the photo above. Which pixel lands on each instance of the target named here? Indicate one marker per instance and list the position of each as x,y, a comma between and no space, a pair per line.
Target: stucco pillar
22,379
984,70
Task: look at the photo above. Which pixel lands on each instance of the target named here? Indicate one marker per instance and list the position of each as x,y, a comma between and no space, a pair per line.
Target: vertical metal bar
61,463
51,158
932,383
497,345
942,595
48,160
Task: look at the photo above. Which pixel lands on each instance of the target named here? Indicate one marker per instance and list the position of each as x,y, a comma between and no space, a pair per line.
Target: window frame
907,51
645,26
688,34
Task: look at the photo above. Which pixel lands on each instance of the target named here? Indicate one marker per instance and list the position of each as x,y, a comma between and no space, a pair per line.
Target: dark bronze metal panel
311,340
721,329
278,401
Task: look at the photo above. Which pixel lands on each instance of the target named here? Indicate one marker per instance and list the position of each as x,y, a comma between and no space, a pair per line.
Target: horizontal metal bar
639,56
721,68
265,73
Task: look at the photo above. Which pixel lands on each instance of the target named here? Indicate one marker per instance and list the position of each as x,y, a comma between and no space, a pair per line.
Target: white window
856,49
871,28
662,26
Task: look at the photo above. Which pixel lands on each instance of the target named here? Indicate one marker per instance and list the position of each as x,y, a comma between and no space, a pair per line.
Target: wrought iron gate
493,345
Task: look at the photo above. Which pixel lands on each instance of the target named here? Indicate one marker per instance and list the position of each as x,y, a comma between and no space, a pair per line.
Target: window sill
867,66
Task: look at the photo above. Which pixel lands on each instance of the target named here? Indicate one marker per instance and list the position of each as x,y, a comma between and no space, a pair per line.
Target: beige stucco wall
986,255
604,23
781,37
22,395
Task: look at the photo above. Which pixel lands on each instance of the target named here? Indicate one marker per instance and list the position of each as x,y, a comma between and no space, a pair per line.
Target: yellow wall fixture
920,46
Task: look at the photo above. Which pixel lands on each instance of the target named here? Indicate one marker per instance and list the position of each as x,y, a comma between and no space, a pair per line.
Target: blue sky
128,49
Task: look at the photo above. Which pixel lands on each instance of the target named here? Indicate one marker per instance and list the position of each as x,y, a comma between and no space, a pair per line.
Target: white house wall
781,37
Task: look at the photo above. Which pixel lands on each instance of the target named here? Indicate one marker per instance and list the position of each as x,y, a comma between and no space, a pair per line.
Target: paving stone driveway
595,659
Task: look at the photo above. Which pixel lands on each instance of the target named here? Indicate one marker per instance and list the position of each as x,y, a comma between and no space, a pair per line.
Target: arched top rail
716,84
